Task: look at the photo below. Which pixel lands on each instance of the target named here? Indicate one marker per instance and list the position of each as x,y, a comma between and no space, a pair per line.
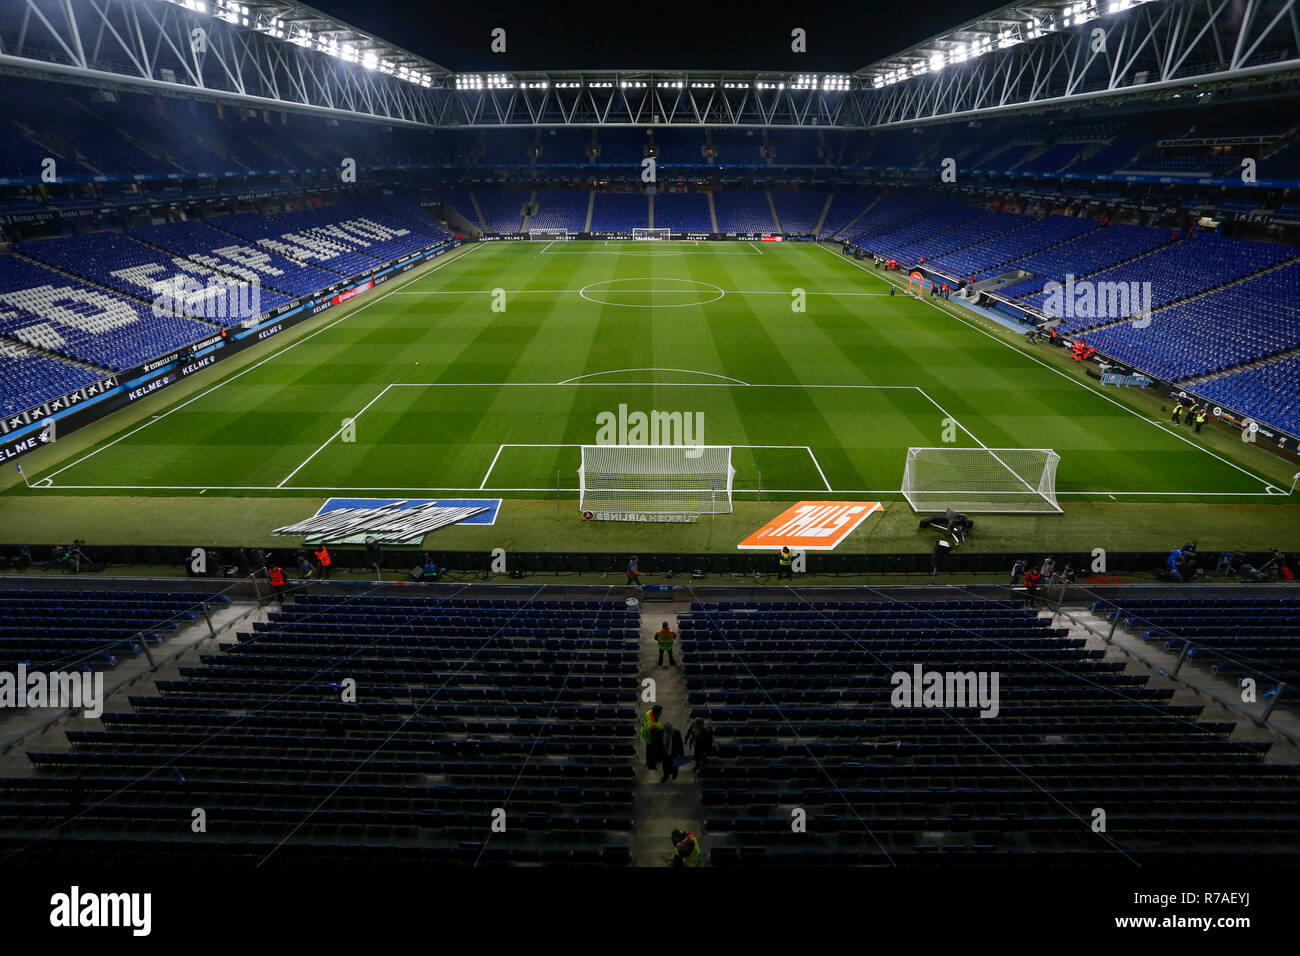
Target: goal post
974,480
547,235
657,232
656,479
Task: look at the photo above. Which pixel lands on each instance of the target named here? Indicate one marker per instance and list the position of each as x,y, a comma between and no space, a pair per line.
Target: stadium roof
311,29
286,55
1002,29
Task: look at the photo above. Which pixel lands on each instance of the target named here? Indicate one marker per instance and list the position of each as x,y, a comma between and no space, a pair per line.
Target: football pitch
484,375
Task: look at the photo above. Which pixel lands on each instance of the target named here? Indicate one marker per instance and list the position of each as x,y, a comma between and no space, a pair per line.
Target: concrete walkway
24,730
662,807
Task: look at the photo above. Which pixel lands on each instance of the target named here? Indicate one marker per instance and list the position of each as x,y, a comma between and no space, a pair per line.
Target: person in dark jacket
654,748
375,557
700,735
673,748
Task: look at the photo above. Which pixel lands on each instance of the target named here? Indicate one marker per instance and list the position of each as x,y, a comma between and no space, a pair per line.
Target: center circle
622,292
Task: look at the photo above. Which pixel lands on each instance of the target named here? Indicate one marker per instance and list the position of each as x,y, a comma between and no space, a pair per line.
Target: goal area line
505,445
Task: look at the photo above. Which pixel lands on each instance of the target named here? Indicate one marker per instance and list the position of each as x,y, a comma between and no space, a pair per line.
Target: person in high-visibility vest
686,849
1200,419
1178,413
651,724
323,561
276,575
1033,580
786,560
664,638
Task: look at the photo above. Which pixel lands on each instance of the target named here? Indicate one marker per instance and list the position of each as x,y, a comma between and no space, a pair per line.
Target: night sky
621,34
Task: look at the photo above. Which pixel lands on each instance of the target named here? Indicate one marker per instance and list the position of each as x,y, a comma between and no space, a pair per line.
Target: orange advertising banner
811,526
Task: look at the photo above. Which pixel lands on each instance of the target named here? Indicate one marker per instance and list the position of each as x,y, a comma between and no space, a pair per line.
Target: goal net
656,479
547,235
658,232
981,479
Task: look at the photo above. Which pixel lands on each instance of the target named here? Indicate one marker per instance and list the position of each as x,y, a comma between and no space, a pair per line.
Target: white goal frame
656,479
547,235
981,480
651,233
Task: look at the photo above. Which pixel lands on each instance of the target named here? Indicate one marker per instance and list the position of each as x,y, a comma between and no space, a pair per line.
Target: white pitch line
617,371
817,465
784,292
483,483
1070,378
945,414
767,491
575,384
341,428
244,371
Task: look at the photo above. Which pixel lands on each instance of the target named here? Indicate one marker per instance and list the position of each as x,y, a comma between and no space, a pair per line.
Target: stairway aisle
663,807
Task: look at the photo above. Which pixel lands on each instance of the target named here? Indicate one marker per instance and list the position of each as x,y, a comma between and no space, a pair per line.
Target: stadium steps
866,210
1121,262
478,213
591,207
44,729
55,145
1253,363
1007,262
155,150
826,211
457,221
1031,155
713,212
528,211
1286,141
651,220
661,807
772,208
1092,150
1000,235
1195,683
1198,295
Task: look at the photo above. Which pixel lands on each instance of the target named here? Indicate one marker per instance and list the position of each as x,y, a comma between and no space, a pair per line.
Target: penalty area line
341,429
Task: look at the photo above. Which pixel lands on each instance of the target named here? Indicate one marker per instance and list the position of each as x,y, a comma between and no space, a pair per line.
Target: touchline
74,690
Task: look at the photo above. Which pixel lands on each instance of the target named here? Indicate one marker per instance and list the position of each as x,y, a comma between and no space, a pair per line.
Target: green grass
450,395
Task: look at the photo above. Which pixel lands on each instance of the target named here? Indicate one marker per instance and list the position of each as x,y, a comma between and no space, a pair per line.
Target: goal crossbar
659,479
975,480
651,232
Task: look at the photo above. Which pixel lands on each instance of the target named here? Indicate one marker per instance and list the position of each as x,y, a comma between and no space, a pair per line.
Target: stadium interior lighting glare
1006,28
365,51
